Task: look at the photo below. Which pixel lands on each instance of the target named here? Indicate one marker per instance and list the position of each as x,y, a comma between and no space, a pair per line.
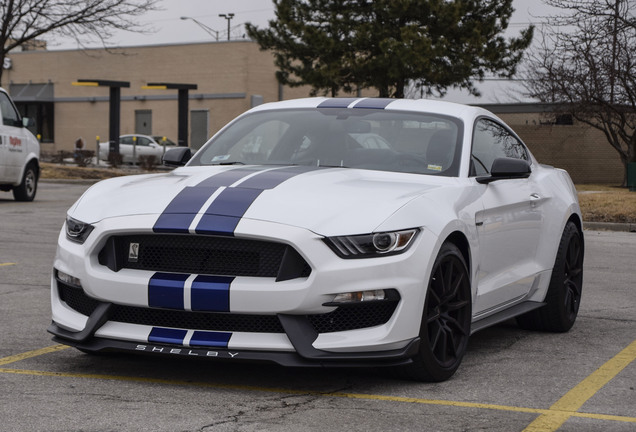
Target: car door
145,147
509,224
13,141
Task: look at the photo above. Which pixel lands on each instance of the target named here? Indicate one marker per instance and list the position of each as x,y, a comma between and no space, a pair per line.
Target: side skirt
504,315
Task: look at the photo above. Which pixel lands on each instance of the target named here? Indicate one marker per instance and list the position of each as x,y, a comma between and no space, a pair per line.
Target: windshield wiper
229,163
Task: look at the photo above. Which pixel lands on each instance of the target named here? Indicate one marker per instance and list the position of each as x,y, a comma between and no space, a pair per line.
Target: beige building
232,76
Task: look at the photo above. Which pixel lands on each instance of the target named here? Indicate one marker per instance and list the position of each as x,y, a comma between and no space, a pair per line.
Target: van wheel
29,186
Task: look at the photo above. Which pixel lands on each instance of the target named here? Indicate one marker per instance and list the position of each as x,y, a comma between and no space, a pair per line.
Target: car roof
415,105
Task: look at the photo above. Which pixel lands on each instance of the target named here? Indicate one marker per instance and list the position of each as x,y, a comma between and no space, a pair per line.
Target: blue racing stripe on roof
211,293
373,103
165,290
167,335
210,339
337,102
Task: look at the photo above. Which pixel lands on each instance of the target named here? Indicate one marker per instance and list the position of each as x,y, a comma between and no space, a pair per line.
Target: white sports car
285,239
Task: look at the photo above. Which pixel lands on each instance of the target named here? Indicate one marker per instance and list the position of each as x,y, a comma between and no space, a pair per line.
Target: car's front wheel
26,190
446,319
564,292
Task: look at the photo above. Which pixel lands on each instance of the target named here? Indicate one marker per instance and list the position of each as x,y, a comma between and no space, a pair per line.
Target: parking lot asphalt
510,380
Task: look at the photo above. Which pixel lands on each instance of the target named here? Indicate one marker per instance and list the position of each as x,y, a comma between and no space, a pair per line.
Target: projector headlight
77,231
372,245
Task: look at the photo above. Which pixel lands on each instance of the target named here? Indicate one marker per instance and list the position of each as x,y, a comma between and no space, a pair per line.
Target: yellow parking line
15,358
547,421
573,400
370,397
6,264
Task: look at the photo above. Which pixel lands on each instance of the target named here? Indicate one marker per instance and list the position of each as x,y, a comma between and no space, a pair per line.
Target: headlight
372,245
77,231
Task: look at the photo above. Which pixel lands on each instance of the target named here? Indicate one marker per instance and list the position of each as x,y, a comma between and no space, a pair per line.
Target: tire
29,186
446,320
564,292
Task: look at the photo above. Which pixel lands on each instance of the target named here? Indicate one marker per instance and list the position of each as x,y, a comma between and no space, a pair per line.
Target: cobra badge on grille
133,252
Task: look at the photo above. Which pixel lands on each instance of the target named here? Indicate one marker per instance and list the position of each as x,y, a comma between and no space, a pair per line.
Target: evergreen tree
334,45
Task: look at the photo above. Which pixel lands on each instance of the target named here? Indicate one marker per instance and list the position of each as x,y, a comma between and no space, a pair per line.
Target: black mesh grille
354,317
206,255
342,319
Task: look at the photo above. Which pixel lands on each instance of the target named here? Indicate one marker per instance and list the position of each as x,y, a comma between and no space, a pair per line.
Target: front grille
343,318
204,255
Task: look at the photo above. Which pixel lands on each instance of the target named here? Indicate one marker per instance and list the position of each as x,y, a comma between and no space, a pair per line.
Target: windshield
355,138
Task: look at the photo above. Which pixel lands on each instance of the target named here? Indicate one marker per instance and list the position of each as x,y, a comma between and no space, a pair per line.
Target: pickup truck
19,152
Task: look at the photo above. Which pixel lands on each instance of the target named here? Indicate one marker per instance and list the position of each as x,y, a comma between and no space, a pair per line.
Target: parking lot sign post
182,114
114,110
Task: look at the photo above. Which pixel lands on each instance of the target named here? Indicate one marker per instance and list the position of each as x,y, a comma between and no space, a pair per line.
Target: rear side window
10,116
492,141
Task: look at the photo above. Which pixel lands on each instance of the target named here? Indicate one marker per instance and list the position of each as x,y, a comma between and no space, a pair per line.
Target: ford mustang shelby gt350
325,232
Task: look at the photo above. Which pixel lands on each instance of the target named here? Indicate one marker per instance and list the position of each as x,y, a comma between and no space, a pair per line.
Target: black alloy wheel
565,290
446,320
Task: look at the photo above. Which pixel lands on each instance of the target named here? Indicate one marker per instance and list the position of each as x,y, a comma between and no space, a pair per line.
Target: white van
19,152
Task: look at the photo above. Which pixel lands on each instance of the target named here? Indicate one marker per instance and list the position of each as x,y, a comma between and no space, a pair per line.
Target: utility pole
228,17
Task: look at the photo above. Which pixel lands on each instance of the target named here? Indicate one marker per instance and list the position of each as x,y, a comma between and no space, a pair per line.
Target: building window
42,114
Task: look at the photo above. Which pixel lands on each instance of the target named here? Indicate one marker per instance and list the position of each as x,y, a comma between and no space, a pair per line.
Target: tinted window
492,141
10,116
357,138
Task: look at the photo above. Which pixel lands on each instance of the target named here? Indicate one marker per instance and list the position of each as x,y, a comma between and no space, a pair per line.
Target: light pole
208,30
228,17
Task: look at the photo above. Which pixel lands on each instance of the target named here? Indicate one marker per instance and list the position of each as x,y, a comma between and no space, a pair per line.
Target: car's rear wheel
29,186
564,292
445,326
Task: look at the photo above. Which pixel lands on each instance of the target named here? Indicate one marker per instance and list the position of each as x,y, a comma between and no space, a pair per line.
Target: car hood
327,201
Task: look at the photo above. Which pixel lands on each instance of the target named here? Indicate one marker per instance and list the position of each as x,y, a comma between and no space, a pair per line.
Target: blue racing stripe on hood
226,211
181,211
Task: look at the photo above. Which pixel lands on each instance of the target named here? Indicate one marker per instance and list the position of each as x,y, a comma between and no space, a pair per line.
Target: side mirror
27,121
177,157
507,169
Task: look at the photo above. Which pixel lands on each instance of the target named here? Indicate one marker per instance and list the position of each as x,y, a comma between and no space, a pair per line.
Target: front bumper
292,324
297,328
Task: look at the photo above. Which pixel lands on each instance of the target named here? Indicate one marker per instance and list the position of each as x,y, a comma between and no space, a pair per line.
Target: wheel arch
576,220
459,239
32,159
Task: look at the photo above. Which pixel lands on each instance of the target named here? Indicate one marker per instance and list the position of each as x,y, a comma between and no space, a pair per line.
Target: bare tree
24,21
587,67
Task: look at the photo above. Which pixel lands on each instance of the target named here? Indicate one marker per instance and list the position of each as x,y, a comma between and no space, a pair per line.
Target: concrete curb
610,226
71,181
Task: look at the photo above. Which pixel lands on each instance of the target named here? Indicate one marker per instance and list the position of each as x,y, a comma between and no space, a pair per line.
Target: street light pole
208,30
228,17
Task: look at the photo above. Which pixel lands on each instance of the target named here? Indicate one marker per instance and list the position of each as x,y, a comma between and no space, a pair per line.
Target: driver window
492,141
10,116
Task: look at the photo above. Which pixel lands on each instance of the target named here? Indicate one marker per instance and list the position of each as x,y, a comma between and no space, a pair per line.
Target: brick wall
579,149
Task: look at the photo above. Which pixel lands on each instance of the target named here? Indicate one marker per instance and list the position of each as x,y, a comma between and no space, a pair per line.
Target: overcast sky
169,28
